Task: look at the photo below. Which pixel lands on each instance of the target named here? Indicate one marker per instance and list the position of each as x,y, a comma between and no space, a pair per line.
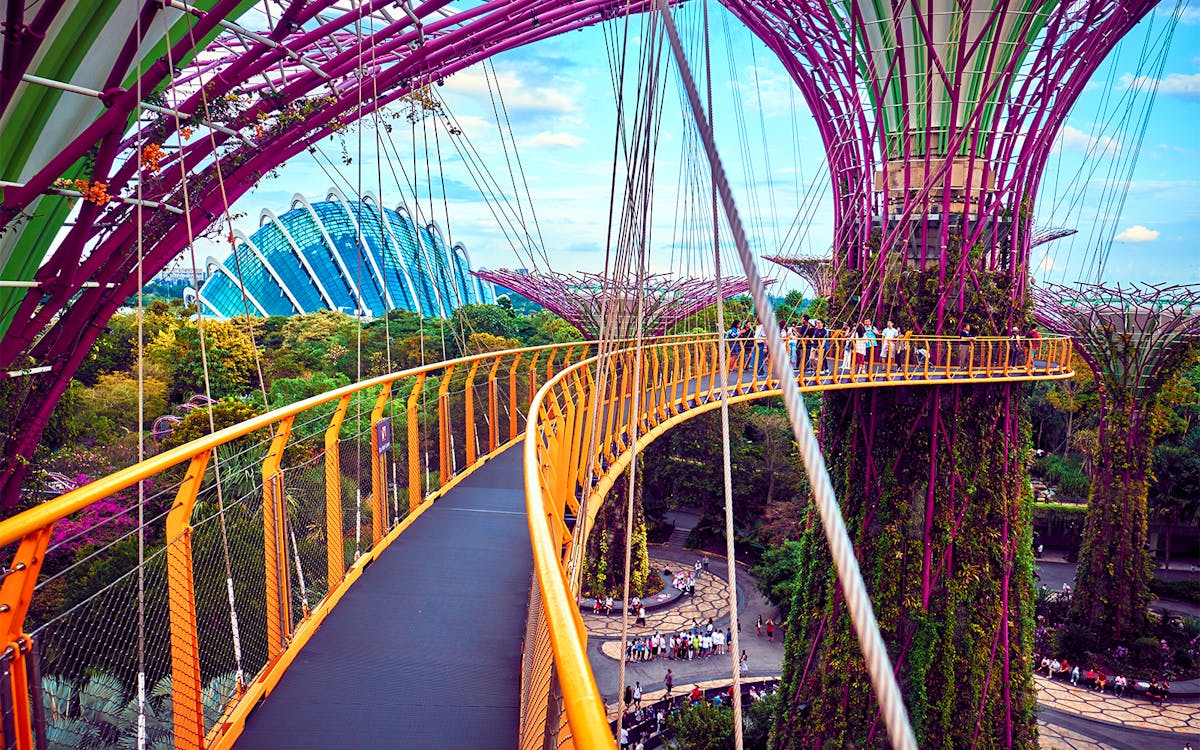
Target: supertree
937,119
818,272
583,299
1134,338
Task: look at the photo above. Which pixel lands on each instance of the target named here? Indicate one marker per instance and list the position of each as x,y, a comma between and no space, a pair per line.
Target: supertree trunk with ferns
937,119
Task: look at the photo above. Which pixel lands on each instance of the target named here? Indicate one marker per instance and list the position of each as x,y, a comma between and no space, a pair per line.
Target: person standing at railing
1016,349
888,350
845,340
814,357
968,346
1034,343
860,349
733,337
797,335
760,350
872,336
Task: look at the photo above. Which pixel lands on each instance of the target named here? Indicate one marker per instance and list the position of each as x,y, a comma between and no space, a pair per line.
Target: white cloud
1137,233
1046,264
1074,139
1174,84
546,139
1189,16
516,93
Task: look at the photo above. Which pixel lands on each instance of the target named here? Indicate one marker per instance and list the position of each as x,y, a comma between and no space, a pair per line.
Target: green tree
227,352
701,726
225,413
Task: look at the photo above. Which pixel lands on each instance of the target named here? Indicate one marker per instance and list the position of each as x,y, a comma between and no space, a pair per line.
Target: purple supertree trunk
937,118
1135,338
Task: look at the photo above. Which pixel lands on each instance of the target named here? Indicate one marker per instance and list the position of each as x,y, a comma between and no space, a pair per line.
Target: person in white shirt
760,350
890,332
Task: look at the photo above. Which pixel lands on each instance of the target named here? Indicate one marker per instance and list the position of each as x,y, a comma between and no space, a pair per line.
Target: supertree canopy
585,299
1135,338
818,272
937,119
169,112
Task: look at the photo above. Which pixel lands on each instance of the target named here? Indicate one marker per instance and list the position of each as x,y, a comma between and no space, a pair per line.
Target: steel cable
858,602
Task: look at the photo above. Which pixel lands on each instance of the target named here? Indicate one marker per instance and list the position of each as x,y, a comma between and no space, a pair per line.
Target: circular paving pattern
710,601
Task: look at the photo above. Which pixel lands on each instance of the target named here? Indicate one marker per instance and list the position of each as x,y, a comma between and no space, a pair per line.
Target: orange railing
584,425
272,519
279,514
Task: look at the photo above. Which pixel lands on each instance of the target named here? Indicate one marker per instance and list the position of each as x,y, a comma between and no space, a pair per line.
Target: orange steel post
279,621
379,467
414,450
15,595
533,375
186,700
335,552
493,409
444,428
469,400
512,398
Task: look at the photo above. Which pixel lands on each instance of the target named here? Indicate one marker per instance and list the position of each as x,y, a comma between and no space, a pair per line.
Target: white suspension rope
727,458
858,602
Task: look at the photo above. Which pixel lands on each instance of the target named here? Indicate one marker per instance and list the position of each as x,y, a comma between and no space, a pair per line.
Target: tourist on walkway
743,663
637,694
888,350
771,630
758,627
669,681
608,604
760,350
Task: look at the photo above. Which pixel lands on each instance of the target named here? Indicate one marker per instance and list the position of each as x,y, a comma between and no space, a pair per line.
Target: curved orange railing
440,434
286,493
584,425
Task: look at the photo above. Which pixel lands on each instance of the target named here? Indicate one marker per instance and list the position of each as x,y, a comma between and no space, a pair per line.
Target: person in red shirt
697,694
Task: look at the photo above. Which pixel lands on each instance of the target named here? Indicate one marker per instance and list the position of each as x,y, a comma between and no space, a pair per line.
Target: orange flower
186,132
151,155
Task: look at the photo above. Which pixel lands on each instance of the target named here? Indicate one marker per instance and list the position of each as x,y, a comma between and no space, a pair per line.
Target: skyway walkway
426,646
359,572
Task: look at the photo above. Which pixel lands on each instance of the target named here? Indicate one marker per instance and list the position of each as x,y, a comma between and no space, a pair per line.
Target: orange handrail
557,625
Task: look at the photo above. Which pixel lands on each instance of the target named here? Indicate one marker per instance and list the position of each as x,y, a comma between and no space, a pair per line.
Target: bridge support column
275,559
379,468
187,705
414,447
335,552
20,725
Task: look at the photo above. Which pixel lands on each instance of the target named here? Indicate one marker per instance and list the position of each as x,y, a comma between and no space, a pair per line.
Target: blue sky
562,114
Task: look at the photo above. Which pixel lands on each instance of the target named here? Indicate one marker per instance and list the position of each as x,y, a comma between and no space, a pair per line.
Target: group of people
697,642
1096,679
641,723
636,607
853,348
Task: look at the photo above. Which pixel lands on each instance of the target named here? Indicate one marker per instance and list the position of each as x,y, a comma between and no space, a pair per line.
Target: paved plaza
1070,718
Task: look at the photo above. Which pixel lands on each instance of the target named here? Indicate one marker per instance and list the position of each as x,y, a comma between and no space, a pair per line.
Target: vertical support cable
879,664
726,464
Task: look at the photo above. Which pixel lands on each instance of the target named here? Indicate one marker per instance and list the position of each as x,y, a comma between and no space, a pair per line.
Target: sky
559,120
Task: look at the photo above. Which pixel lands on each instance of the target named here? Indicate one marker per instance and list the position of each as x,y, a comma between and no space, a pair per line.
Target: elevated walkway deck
426,646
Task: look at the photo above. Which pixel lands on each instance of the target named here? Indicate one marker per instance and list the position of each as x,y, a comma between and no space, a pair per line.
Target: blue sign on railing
383,434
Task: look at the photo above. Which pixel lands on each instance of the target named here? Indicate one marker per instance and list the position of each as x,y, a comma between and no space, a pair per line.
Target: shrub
1075,641
1188,591
702,726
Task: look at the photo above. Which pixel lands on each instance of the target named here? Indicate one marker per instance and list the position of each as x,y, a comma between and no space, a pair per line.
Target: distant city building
308,259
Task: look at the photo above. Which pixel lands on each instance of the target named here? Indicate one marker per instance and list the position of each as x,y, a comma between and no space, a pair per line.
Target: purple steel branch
1127,333
580,298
